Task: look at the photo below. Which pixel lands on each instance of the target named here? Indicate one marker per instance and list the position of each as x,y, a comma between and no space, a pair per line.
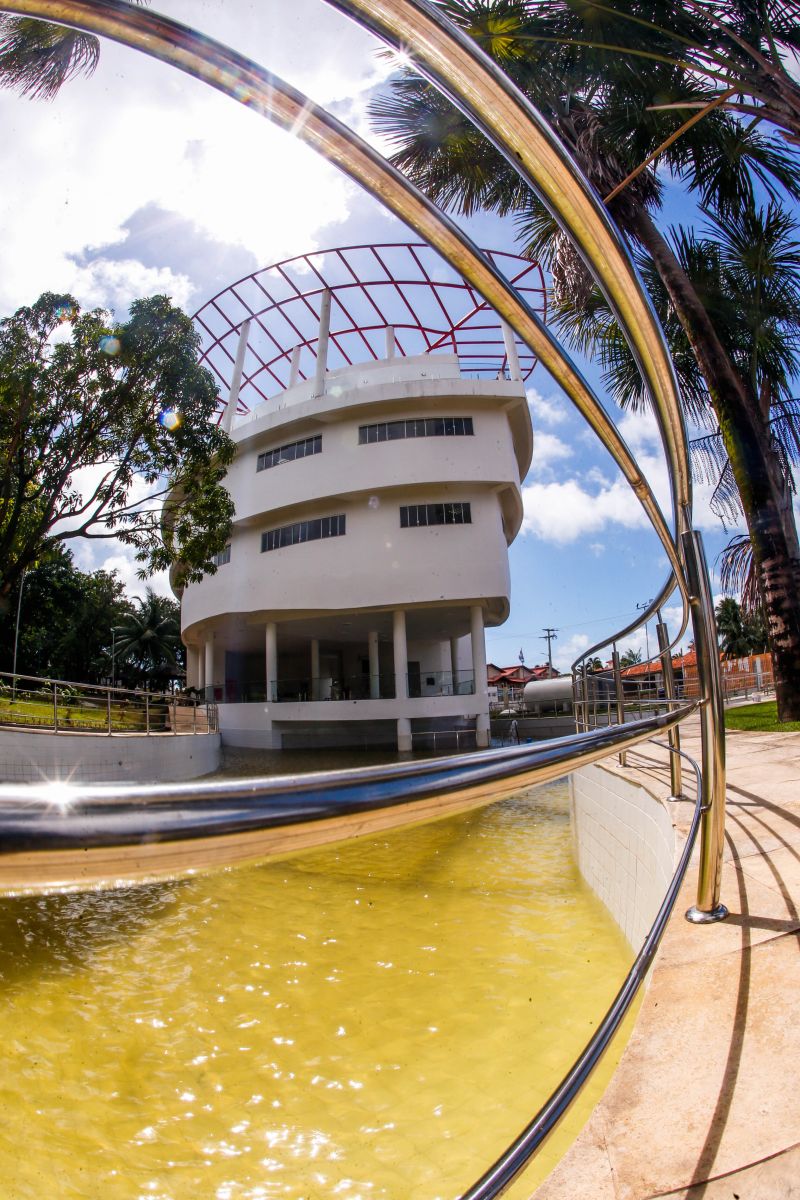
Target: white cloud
548,449
547,410
113,284
563,512
565,652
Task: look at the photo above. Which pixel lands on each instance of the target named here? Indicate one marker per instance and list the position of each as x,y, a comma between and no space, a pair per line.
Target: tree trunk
762,487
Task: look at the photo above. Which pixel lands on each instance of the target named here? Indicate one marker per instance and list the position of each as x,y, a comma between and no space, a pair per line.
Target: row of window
411,517
303,531
383,431
452,513
289,452
392,431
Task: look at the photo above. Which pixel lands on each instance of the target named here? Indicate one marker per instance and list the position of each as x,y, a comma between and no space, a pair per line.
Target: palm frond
37,58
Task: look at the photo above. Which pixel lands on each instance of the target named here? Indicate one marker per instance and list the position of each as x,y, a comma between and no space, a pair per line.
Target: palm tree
630,658
37,58
150,639
738,50
608,121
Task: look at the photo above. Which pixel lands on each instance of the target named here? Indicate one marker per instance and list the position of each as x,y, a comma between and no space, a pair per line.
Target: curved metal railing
233,821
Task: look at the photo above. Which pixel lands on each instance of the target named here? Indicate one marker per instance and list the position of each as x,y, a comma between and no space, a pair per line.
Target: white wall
27,756
375,564
625,846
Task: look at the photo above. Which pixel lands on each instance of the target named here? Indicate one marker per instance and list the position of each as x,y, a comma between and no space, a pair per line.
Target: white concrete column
201,669
514,371
390,341
403,735
208,681
271,660
479,670
236,382
294,367
454,662
374,666
322,343
192,667
315,668
400,654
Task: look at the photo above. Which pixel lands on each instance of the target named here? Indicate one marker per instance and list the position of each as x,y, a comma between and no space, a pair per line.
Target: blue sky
141,180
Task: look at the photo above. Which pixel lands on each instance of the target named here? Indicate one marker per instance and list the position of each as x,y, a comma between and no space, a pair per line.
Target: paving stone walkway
706,1100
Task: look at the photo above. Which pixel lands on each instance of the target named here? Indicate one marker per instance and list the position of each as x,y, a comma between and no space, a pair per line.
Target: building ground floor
414,678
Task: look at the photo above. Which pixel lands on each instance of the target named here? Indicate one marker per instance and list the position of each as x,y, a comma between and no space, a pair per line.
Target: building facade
375,503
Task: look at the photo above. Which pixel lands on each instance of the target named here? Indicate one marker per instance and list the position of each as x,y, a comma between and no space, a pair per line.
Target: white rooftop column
236,382
208,681
315,669
374,666
322,343
390,341
294,367
479,671
511,352
201,670
271,661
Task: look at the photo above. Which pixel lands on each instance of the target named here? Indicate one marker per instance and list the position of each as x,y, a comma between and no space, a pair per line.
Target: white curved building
375,502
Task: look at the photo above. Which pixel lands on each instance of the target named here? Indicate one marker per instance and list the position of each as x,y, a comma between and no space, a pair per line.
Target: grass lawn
75,715
762,718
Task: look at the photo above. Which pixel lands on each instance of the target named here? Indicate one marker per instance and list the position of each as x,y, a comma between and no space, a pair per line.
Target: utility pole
549,636
643,608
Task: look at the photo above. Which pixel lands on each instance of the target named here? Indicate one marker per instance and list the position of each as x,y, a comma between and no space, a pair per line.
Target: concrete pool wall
624,846
30,756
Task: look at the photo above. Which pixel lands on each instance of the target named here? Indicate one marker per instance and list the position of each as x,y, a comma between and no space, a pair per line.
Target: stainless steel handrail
517,1156
470,79
73,827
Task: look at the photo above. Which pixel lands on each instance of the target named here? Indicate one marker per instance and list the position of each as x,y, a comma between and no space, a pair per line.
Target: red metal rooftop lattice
405,286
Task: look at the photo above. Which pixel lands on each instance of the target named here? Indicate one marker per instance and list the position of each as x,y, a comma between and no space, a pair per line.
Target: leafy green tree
614,117
101,426
594,664
66,618
149,641
630,658
740,633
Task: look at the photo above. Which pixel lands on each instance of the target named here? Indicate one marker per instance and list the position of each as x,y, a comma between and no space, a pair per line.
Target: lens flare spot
170,419
110,345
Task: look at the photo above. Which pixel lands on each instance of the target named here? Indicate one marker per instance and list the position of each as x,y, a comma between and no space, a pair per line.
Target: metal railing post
55,708
674,736
712,728
174,713
623,758
147,712
108,709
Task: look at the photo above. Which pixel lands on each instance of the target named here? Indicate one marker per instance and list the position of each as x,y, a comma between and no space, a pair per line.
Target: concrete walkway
706,1100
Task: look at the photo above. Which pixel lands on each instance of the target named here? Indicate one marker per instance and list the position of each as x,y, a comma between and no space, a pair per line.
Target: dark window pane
468,426
403,517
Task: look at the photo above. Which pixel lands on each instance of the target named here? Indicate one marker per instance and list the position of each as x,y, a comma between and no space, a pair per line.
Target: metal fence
26,701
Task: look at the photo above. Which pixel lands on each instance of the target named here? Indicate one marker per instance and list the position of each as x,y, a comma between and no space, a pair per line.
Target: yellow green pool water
375,1021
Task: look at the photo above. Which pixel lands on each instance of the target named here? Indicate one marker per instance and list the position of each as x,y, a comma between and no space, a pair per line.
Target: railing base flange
699,916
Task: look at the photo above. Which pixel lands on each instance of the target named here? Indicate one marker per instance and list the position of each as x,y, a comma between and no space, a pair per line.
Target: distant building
375,502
